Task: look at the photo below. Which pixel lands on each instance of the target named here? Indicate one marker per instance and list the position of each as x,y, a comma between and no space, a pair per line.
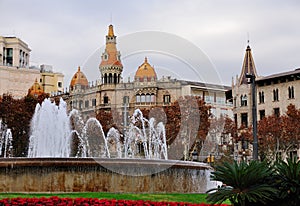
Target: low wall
102,175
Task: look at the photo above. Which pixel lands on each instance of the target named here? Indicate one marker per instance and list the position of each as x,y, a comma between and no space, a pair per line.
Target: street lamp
254,116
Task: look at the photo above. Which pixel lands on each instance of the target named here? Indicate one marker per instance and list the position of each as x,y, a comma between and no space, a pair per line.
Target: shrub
246,184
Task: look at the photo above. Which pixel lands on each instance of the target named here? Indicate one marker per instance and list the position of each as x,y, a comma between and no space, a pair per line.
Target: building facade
273,95
52,82
147,90
17,76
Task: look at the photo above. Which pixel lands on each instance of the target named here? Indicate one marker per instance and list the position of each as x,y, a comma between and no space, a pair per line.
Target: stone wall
102,175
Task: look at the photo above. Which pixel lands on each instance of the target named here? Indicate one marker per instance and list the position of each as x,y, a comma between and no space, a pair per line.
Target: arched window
291,92
105,99
115,78
148,98
152,98
261,97
243,100
138,98
109,78
275,95
143,98
105,78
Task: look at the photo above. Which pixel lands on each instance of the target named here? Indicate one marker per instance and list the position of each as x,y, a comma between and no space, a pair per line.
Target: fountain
137,164
5,141
50,131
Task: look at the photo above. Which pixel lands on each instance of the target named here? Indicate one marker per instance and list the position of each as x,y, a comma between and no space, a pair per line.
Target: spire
78,69
146,60
110,31
248,66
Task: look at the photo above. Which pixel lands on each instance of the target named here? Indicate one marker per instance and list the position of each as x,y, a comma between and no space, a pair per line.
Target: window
86,104
125,99
143,98
291,92
152,98
59,84
105,99
148,98
235,119
93,102
244,119
220,100
41,80
262,114
167,99
261,97
275,95
276,112
213,111
243,100
209,99
138,98
80,104
9,56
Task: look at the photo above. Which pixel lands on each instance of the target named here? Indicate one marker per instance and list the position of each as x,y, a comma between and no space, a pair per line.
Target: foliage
16,114
109,119
288,182
279,133
246,184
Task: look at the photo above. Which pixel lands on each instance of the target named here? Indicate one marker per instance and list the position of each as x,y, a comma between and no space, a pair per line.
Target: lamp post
254,116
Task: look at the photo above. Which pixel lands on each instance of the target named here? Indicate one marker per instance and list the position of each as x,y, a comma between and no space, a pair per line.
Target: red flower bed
56,201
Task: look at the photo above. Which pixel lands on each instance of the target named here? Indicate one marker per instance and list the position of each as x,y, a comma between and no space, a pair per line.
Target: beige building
15,74
273,94
145,91
51,82
14,52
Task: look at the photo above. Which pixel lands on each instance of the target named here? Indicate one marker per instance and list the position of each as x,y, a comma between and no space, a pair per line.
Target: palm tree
246,184
288,182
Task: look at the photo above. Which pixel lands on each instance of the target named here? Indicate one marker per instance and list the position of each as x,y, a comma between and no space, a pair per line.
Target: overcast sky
66,34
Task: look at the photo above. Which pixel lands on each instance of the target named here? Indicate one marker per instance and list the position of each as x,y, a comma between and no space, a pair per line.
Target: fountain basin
103,175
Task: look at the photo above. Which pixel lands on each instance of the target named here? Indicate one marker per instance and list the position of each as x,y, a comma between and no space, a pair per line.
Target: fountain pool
102,163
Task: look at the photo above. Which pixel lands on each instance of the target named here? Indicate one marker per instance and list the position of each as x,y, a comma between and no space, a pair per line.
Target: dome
145,71
35,89
79,79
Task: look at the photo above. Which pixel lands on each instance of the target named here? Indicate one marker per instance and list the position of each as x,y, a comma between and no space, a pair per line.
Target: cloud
65,33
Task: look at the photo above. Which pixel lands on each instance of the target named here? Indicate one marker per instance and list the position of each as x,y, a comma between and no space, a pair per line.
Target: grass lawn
192,198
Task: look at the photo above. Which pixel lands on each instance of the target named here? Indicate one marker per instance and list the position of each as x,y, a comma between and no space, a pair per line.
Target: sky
71,33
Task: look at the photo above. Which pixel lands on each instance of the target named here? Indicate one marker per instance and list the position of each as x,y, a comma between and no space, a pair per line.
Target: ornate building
35,89
145,91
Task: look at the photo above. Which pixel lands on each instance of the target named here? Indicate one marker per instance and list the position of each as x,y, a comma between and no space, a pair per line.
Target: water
5,141
52,136
50,131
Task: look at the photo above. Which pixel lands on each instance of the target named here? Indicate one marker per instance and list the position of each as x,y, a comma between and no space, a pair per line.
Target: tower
248,67
111,67
241,92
